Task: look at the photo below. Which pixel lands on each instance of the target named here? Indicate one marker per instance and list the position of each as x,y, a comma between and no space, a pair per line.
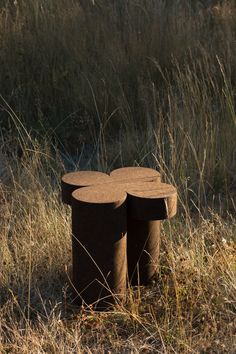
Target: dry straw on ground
156,83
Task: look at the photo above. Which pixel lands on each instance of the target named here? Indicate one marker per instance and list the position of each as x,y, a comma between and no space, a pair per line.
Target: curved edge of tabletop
73,180
156,203
102,195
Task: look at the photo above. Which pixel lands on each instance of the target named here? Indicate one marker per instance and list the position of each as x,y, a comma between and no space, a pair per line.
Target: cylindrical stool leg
146,207
143,236
143,248
99,246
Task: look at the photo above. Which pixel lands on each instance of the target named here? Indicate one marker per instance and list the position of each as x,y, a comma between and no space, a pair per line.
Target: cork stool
131,200
143,241
99,244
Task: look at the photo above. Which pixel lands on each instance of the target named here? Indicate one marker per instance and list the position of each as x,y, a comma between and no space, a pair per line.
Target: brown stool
74,180
99,224
145,208
99,244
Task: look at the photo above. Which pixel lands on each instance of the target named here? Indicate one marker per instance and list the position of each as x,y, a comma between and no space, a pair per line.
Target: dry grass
149,83
191,309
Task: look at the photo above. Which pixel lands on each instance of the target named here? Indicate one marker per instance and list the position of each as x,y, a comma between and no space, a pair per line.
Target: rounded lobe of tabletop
73,180
99,195
152,203
135,173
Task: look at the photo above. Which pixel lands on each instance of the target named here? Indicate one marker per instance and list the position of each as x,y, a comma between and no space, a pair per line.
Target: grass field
107,84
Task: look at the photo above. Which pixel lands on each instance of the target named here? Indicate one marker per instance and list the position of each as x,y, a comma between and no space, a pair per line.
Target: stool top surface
133,173
102,194
152,190
85,178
